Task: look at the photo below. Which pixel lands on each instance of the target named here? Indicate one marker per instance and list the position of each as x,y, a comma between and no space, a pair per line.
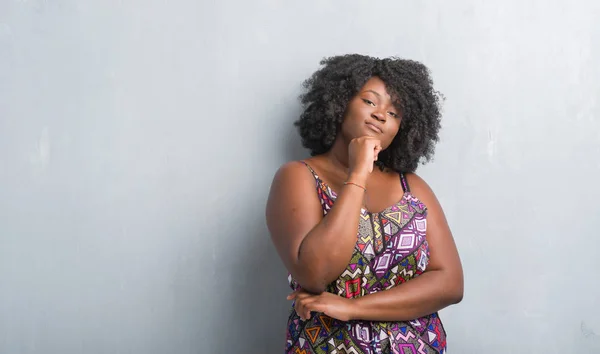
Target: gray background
138,140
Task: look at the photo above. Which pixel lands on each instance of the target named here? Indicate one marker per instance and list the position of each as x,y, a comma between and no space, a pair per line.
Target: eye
393,114
368,102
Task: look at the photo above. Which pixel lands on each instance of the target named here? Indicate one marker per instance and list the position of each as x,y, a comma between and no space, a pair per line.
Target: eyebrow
375,92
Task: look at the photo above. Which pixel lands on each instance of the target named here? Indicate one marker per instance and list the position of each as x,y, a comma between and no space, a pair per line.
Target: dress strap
323,191
311,170
404,183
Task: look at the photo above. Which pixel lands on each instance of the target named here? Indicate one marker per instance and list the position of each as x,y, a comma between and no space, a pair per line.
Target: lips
374,127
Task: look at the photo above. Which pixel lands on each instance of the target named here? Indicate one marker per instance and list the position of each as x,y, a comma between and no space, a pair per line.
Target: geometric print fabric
391,249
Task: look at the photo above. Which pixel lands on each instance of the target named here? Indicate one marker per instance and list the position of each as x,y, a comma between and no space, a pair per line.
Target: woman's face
371,112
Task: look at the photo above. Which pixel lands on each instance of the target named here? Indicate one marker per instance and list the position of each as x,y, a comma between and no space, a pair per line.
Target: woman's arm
441,285
314,249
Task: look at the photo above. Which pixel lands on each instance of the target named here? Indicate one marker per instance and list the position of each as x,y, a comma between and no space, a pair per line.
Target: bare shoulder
293,209
420,189
291,187
291,174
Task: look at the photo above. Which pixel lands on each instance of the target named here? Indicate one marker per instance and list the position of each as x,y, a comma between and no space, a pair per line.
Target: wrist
356,185
358,178
353,309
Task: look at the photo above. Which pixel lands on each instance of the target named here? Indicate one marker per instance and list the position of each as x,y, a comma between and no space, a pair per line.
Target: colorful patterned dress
391,249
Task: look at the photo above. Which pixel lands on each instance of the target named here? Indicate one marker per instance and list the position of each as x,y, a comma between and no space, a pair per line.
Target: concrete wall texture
138,140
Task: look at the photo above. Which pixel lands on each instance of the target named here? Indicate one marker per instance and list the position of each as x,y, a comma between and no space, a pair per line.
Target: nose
380,116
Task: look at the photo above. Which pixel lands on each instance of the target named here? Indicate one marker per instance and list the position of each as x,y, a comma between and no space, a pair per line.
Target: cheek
395,128
346,128
345,124
393,132
351,119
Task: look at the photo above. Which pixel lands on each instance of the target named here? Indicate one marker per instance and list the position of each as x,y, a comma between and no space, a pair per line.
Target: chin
369,132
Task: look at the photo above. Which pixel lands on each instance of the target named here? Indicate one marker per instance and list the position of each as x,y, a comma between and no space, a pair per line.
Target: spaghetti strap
311,170
326,195
404,183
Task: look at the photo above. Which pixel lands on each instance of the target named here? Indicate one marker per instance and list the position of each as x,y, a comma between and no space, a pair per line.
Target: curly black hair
329,90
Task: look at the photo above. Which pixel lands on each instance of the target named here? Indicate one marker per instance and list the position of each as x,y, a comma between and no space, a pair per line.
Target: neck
338,154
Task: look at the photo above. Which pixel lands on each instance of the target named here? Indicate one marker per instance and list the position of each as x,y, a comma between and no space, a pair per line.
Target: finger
299,307
314,306
293,295
303,313
304,310
303,307
317,306
301,295
297,294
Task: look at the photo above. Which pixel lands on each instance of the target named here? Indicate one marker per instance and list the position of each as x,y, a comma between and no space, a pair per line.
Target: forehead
377,85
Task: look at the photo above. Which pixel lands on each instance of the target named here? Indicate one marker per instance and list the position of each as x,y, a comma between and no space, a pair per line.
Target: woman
370,255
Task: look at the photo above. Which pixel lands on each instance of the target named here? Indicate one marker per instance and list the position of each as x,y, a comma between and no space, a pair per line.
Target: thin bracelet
355,184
